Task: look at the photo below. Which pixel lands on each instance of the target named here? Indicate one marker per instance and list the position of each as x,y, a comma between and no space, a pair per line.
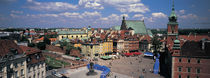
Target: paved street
131,66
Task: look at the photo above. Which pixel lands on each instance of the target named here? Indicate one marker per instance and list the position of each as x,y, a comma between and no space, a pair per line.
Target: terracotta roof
7,45
54,48
29,50
32,54
194,37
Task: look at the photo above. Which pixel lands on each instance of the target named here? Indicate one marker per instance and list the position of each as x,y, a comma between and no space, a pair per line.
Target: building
185,56
137,25
126,40
12,60
192,61
72,35
90,49
36,67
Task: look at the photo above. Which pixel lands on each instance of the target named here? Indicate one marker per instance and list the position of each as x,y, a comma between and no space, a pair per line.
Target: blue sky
101,13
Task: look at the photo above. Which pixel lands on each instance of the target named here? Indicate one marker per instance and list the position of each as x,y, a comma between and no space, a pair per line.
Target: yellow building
90,49
72,35
106,47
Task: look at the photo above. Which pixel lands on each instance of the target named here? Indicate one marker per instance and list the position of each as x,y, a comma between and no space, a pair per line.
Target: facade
72,35
36,67
13,60
192,61
186,56
90,49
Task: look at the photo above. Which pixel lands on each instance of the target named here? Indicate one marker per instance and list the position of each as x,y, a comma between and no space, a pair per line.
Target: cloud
159,15
182,11
138,15
50,6
17,12
128,5
140,7
188,16
121,5
94,4
113,2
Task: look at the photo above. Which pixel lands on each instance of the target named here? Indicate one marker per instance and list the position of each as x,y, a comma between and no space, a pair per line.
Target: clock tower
172,26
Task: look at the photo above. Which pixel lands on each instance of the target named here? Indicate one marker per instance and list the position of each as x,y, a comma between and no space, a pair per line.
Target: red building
188,56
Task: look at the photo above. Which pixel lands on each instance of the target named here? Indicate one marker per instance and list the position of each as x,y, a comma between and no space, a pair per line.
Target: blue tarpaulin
148,54
105,69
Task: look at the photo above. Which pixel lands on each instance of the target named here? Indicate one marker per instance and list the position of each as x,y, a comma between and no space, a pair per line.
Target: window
81,35
180,59
180,69
198,70
180,76
16,74
72,36
22,63
198,60
22,72
188,69
188,76
188,60
15,65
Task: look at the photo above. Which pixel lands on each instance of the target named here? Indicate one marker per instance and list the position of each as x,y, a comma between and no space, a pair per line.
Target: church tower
172,29
123,25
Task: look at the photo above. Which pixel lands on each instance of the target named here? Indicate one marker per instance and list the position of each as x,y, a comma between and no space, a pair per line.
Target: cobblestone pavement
131,66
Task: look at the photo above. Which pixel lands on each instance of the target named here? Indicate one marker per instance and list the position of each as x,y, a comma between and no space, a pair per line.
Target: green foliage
23,38
69,47
31,45
55,63
47,41
156,44
41,45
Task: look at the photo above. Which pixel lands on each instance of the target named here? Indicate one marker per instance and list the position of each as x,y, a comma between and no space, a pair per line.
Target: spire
173,6
123,25
173,17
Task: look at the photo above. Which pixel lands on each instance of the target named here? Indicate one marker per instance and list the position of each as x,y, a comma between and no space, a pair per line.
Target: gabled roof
138,26
7,45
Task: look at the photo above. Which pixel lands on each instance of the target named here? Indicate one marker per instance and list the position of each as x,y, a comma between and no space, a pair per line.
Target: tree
156,44
47,40
31,45
41,45
69,47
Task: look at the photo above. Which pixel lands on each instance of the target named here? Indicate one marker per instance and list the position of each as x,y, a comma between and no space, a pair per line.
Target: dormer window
28,59
37,56
14,51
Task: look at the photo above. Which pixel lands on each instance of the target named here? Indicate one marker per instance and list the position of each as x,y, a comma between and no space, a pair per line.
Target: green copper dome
173,16
176,41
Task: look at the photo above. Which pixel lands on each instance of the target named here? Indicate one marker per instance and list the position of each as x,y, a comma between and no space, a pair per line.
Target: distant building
12,60
72,35
36,67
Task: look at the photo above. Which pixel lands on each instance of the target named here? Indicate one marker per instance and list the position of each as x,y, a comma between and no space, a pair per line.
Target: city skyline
101,14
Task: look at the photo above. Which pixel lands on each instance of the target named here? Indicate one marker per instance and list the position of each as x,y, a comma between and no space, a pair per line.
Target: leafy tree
31,45
69,47
47,40
41,45
156,44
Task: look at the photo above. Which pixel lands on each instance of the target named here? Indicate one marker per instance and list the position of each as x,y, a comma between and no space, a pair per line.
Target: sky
101,13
